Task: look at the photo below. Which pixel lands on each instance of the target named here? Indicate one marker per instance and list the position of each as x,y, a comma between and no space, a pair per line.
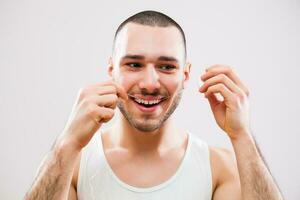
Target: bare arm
232,116
243,174
94,106
256,180
54,177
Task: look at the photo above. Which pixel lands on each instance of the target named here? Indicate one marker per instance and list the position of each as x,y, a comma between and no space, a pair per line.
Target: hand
231,114
95,105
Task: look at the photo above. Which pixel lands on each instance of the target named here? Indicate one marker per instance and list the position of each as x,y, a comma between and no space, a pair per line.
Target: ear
110,67
186,73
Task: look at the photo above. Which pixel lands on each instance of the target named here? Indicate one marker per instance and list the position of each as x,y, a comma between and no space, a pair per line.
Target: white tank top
192,180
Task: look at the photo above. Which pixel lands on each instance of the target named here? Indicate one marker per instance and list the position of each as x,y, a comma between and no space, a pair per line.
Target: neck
128,137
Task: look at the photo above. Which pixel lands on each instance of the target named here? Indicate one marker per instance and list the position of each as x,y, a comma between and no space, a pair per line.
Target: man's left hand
231,114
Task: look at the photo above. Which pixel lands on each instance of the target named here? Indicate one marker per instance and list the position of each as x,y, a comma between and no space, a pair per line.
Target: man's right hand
95,104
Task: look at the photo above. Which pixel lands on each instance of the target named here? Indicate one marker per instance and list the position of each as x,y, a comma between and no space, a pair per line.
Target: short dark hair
152,18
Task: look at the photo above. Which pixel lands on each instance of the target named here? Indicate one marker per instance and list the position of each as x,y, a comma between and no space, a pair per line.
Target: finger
101,84
102,114
222,89
99,114
110,87
108,100
121,91
221,78
213,101
97,89
228,71
102,90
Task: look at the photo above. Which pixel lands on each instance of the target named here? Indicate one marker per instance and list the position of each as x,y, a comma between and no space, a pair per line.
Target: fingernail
201,88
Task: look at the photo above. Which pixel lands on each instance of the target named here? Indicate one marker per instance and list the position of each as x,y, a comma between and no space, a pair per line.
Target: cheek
126,80
172,83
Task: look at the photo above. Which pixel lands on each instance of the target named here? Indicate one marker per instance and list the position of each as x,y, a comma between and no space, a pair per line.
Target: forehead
151,42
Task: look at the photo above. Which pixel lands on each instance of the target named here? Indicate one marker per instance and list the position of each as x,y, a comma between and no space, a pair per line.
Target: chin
146,125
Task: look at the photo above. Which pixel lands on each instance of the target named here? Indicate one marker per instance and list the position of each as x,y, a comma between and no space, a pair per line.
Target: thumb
213,101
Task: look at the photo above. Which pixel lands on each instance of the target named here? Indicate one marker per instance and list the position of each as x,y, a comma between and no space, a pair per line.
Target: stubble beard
146,124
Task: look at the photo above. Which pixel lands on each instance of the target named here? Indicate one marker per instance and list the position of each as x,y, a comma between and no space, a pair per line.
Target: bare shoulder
220,155
223,166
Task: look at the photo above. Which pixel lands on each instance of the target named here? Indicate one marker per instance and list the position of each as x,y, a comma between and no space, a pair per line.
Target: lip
148,98
145,109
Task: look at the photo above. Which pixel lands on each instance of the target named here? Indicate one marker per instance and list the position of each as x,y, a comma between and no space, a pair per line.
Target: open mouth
147,103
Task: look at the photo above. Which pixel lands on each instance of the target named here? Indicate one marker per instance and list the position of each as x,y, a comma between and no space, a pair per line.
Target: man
144,155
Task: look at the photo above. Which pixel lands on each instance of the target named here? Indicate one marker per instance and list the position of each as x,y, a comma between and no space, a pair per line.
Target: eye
167,67
134,65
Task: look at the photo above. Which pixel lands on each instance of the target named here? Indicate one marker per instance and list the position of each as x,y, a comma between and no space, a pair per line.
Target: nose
150,79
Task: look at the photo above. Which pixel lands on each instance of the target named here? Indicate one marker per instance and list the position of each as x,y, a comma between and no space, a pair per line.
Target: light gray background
49,49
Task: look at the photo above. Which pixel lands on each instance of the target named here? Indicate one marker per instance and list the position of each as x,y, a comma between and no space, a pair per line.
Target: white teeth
147,102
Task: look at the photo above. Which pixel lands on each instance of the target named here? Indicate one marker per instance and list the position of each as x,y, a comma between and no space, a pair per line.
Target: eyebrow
136,57
139,57
167,58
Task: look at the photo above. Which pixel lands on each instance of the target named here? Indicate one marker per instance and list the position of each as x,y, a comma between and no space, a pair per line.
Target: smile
147,101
